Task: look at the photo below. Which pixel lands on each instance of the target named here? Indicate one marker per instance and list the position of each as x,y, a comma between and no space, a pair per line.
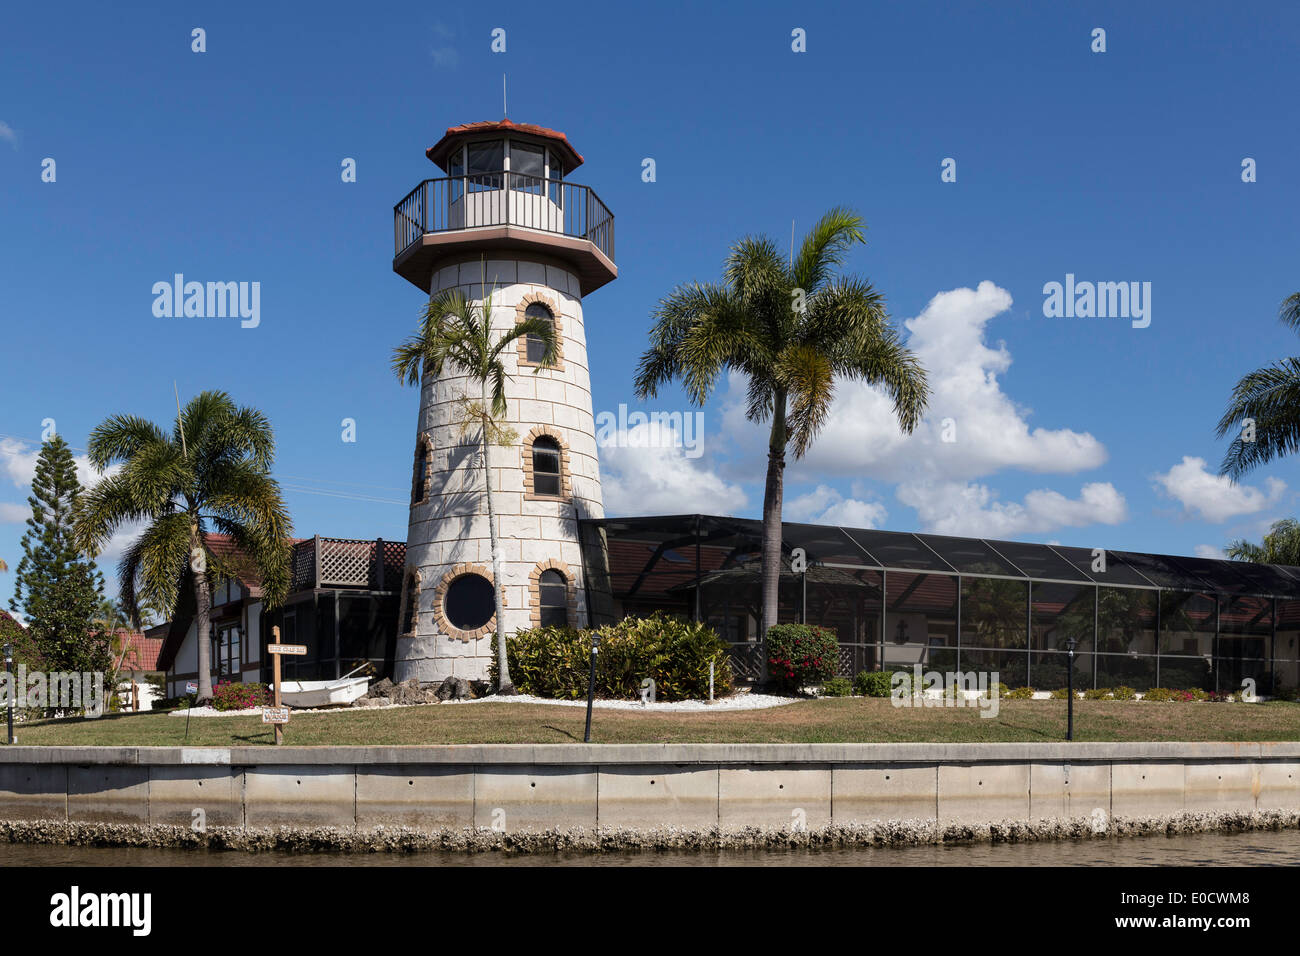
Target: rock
370,702
454,688
383,688
480,688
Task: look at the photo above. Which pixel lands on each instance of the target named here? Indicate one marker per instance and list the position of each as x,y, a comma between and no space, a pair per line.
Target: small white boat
323,693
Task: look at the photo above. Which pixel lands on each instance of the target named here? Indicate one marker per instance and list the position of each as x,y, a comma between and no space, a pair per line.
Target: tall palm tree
1270,397
1280,546
455,330
793,328
211,471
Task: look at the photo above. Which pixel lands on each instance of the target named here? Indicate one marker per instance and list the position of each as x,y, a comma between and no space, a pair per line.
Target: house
342,605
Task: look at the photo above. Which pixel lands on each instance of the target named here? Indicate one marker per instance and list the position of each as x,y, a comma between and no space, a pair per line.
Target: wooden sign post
278,714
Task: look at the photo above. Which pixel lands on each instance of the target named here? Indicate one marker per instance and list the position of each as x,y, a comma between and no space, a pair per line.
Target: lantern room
506,187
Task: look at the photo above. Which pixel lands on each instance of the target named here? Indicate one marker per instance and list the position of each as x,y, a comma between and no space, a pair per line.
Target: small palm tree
1270,398
456,330
793,329
1280,546
211,471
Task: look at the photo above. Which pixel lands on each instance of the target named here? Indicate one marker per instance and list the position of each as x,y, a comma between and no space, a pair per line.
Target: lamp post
591,684
9,669
1071,643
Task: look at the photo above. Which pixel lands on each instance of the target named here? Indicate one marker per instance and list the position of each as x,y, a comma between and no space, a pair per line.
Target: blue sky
1115,166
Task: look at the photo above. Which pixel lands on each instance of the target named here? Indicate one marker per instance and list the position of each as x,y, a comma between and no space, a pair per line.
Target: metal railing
503,199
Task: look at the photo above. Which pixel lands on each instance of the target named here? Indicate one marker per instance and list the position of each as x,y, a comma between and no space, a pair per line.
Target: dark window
553,598
419,482
411,611
535,346
527,167
546,467
470,602
486,162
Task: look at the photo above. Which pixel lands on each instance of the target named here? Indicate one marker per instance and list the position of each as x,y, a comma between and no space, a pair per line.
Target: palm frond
1270,396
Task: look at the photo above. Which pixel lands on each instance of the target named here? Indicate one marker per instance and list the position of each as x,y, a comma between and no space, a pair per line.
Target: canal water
1272,848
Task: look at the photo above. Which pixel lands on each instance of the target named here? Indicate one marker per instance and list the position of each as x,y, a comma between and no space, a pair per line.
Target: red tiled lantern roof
439,151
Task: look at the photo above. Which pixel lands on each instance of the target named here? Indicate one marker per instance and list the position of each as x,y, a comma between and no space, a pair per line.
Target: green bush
872,683
238,696
801,654
837,687
1020,693
1160,694
554,662
1124,693
1096,693
1061,693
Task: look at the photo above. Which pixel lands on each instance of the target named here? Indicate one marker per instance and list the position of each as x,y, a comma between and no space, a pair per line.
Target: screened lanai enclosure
898,599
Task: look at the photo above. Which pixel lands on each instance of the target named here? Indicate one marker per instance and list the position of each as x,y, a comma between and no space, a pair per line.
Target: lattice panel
304,565
746,663
394,564
345,563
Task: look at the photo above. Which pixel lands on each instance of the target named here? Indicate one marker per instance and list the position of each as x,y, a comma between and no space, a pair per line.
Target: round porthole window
469,603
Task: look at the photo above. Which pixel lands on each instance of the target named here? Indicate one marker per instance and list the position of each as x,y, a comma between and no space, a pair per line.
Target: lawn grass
843,720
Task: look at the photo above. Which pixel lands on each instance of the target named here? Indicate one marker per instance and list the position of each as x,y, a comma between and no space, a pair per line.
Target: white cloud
14,514
1214,497
645,471
1208,551
973,509
990,431
8,134
825,505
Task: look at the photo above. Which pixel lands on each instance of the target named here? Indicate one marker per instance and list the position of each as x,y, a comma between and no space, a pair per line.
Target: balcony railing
347,562
503,199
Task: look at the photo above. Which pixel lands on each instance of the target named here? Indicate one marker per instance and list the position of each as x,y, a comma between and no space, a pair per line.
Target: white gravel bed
734,702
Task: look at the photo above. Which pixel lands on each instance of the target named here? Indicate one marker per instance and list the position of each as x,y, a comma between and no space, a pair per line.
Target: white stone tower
505,211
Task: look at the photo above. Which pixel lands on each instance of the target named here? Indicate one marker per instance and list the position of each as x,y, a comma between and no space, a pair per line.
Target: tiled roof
439,151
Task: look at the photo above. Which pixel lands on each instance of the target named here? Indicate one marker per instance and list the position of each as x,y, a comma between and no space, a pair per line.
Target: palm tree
211,471
1281,545
456,330
1270,398
793,329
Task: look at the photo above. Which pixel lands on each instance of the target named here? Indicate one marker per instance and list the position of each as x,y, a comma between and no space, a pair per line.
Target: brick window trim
410,580
557,323
535,592
440,595
423,454
566,485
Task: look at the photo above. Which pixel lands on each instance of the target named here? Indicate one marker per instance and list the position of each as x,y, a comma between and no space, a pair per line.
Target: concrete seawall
685,788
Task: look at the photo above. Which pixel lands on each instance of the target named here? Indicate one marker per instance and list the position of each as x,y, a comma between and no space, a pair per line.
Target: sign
191,687
275,715
286,648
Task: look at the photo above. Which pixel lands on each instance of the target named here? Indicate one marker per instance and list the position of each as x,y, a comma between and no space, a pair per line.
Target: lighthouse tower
504,219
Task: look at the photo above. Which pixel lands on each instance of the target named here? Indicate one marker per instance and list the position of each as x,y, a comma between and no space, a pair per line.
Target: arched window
547,473
536,305
553,598
411,606
535,348
420,475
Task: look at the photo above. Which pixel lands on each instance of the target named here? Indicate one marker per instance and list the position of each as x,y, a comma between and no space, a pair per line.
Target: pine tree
58,589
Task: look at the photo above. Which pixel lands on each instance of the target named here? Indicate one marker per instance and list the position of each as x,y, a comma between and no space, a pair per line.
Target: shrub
1124,693
1096,693
1020,693
837,687
872,683
801,654
1287,693
1061,693
1003,691
238,696
1159,694
554,662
